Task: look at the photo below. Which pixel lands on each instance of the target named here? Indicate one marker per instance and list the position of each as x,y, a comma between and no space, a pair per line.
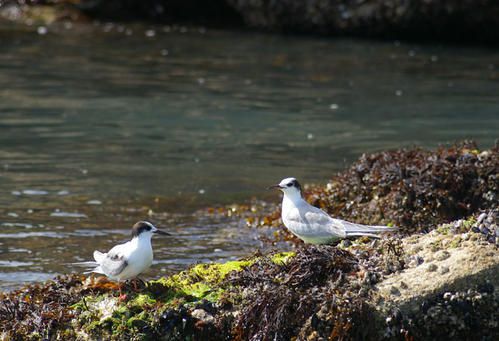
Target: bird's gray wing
323,222
312,224
113,264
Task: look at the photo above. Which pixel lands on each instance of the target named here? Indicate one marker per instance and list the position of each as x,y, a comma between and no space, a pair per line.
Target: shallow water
103,125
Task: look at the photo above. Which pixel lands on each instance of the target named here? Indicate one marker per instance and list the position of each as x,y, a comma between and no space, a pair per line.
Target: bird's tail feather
99,256
352,229
91,267
90,263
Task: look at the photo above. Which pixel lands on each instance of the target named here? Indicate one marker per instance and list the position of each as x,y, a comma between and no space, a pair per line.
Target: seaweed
40,311
315,284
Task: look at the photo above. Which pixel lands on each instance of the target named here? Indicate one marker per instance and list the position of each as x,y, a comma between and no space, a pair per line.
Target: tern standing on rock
313,225
128,260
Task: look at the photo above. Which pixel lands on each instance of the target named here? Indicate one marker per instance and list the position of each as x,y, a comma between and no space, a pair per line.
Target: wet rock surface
449,20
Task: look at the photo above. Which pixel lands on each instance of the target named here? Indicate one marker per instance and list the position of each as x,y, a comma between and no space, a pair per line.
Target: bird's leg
134,283
122,296
141,281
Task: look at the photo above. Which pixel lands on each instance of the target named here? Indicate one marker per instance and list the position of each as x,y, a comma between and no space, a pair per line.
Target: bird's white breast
139,258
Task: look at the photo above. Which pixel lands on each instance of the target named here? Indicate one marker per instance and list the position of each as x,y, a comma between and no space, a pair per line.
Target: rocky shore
451,20
437,278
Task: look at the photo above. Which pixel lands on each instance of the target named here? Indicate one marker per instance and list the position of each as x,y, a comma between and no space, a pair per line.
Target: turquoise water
103,125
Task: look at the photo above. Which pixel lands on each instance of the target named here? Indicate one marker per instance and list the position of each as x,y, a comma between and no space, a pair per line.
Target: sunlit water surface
103,125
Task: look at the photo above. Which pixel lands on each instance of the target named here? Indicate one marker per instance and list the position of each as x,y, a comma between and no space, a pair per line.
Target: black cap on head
141,226
294,183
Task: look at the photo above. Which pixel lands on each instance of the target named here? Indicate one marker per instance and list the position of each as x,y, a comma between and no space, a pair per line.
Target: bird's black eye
290,184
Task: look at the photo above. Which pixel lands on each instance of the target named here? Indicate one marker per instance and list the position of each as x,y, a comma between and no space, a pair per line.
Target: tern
128,260
313,225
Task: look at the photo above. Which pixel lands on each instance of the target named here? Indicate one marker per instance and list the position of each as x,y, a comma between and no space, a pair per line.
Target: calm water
103,125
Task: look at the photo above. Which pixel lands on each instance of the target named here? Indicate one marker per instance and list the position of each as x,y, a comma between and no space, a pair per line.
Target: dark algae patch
312,289
415,189
40,311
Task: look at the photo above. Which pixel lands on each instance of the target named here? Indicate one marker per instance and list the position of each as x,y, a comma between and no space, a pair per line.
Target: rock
481,218
449,20
472,263
41,14
202,315
307,294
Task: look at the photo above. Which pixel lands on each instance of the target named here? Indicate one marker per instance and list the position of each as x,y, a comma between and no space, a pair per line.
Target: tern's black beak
157,231
274,186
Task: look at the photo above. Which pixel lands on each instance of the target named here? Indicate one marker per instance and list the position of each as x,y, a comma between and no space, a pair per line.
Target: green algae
455,243
105,315
199,282
142,300
282,258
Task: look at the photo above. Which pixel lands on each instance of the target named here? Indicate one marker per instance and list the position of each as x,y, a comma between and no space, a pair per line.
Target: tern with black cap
128,260
313,225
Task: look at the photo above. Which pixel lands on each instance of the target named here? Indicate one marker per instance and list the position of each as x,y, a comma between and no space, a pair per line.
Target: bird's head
146,229
289,186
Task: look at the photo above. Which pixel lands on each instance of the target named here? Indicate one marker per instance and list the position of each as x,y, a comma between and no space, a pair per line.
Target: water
100,128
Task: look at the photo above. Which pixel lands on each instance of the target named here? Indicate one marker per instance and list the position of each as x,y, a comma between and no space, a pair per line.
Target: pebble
486,225
203,315
481,218
484,230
